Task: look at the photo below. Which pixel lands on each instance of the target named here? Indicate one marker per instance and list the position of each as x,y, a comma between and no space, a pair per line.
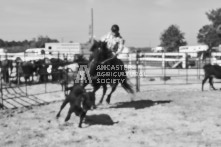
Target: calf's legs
82,118
62,107
77,112
69,114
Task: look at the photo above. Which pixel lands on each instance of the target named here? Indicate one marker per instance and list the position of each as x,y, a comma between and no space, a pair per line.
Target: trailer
64,48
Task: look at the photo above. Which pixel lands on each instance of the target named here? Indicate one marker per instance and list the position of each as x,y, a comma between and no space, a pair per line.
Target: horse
211,71
106,71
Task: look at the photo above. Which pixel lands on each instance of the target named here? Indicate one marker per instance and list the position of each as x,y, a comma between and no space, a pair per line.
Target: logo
83,75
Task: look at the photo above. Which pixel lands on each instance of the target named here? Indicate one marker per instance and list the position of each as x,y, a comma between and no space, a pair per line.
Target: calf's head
88,100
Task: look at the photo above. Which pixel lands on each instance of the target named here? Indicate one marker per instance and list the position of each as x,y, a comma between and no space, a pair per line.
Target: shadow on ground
139,104
101,119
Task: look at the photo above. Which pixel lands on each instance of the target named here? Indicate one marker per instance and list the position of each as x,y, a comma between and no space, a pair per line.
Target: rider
115,43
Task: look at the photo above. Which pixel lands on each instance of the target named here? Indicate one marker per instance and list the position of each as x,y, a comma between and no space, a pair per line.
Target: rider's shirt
115,44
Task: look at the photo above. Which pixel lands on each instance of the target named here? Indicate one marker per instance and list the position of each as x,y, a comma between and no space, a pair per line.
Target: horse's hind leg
211,83
62,107
204,80
112,90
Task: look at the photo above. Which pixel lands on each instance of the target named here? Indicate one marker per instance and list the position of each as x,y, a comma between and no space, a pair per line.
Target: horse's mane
94,46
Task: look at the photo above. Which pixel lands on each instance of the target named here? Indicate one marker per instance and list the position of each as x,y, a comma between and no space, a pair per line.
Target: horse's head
99,50
94,46
99,45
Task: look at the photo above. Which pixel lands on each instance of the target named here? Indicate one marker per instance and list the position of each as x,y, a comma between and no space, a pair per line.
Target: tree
172,38
209,34
41,40
21,46
2,43
215,17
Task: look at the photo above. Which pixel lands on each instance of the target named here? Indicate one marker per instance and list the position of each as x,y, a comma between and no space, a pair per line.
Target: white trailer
193,50
64,50
157,49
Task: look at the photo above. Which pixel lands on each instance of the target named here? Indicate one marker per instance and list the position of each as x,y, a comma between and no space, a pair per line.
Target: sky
141,22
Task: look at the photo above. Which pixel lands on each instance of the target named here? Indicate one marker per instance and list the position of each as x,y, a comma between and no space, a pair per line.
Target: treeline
21,46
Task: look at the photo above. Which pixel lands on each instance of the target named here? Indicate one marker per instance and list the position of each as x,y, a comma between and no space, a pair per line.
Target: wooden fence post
163,60
185,58
2,100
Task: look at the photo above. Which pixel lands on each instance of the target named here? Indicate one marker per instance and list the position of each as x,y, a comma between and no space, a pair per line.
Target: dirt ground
160,116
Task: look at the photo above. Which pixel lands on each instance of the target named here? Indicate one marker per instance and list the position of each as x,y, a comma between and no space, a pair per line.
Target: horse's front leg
96,87
104,92
114,86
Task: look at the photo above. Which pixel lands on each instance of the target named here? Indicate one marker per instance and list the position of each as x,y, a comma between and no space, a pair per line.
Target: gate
16,97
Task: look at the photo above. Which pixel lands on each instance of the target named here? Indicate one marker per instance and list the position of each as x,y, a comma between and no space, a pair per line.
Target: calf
80,102
211,71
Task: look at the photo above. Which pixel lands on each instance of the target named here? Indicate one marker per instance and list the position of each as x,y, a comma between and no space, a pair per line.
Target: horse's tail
127,86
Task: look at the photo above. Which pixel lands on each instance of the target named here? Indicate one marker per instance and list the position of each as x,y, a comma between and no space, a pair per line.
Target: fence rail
142,68
29,56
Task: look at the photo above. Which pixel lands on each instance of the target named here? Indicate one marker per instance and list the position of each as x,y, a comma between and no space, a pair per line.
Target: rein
108,60
99,51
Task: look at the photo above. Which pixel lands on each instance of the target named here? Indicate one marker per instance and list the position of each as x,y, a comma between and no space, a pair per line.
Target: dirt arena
175,115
